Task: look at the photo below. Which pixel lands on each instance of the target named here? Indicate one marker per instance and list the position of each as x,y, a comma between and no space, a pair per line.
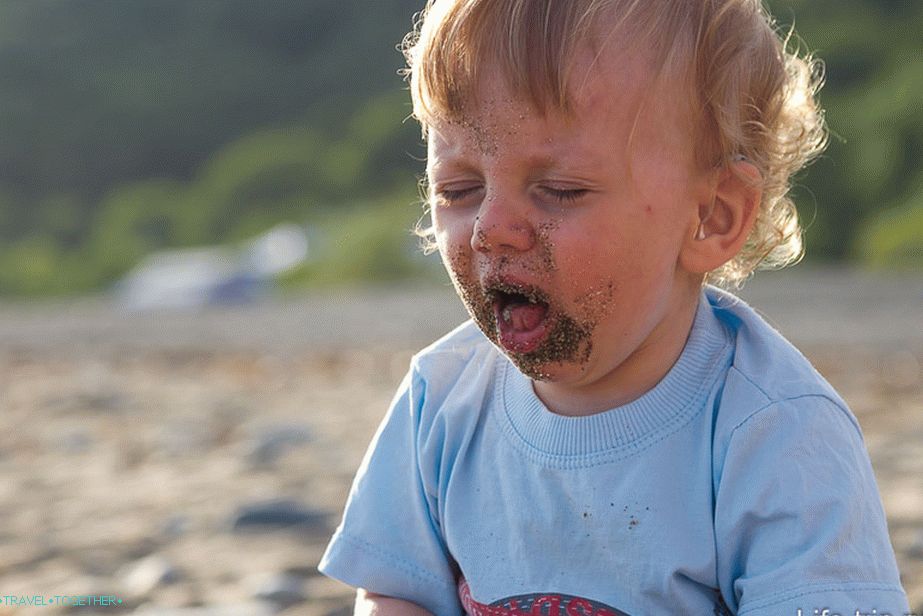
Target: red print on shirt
538,604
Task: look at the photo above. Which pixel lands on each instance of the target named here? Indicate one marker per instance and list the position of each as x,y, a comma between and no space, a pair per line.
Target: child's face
563,234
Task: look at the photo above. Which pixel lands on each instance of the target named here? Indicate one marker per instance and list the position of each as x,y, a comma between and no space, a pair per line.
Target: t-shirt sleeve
389,541
798,519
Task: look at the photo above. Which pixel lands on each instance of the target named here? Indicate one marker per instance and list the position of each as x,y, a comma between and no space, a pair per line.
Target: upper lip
497,286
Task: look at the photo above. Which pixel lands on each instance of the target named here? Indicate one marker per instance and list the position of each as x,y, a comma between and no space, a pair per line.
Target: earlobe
725,221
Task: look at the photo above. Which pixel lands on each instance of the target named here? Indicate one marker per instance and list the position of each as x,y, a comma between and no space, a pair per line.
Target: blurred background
209,287
133,127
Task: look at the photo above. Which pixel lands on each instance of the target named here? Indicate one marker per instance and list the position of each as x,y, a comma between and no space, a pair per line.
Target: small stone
302,571
275,515
99,401
104,402
185,439
143,577
281,589
76,443
274,442
915,549
175,526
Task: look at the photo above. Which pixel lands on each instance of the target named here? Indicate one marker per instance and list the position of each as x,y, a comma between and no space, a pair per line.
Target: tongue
524,317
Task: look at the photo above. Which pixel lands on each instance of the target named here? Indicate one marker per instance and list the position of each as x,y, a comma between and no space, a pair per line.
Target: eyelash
561,196
455,195
565,196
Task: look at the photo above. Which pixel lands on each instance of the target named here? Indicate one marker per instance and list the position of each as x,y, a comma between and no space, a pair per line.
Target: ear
725,221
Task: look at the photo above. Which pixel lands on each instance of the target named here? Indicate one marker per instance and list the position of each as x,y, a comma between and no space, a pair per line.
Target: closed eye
560,195
449,197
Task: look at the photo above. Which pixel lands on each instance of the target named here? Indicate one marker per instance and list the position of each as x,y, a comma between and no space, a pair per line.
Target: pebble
915,549
75,443
186,438
175,526
102,401
276,515
272,443
281,589
141,578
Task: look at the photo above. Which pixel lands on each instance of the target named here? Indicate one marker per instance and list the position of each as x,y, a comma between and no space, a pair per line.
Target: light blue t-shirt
739,484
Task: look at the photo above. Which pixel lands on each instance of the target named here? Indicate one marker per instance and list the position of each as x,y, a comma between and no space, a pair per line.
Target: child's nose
499,227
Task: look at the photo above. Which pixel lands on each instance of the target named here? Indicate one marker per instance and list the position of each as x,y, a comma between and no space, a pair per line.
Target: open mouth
522,316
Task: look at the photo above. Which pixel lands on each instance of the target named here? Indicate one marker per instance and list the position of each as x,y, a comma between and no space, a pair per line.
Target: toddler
611,433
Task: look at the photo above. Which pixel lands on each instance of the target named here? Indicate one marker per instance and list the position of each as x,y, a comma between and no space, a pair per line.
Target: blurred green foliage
864,199
368,241
128,127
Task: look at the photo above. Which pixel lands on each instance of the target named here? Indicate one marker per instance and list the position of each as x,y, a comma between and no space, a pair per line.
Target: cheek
590,273
446,233
610,271
596,301
451,228
456,262
455,251
601,253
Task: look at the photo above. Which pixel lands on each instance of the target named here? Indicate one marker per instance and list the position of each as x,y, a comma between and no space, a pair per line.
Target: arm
370,604
390,538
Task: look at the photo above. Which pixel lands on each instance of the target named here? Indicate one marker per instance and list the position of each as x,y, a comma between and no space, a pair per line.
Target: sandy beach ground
194,464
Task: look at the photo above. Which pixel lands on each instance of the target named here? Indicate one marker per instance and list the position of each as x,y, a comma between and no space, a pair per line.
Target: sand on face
132,444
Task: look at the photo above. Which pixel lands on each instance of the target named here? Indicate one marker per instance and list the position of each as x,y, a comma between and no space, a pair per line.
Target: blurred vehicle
191,278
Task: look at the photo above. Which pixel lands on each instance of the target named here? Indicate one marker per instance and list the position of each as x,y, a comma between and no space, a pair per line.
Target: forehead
610,94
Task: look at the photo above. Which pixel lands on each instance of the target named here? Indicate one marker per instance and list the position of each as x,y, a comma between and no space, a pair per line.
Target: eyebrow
555,153
450,164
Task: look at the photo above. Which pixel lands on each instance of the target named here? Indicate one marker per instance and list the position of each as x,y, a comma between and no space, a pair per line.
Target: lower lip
519,341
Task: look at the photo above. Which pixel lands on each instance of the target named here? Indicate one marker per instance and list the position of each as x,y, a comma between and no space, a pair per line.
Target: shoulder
462,344
453,376
769,377
463,350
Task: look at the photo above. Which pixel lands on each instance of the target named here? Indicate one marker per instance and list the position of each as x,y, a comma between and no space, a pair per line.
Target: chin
540,368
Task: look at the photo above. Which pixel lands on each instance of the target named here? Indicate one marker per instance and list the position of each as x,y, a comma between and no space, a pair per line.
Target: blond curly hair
752,95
